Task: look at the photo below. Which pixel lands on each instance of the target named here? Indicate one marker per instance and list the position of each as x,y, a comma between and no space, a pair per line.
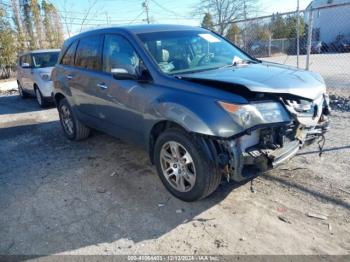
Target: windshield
190,51
41,60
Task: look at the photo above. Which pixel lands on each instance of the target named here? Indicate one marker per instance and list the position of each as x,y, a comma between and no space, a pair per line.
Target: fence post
309,39
298,33
269,47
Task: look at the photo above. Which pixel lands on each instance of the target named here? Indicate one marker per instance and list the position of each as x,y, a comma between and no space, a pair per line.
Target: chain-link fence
321,43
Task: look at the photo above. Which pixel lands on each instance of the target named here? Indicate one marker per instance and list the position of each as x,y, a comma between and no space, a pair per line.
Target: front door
121,101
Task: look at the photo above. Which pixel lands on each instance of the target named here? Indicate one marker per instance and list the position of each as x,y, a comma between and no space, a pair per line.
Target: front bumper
268,147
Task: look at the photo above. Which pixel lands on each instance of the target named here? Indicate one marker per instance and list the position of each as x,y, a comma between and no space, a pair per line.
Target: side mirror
25,65
122,74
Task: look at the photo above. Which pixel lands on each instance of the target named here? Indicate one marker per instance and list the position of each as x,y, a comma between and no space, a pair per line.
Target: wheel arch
156,130
58,97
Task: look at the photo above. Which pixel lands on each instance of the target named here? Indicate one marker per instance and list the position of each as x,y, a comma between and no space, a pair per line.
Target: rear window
68,58
88,53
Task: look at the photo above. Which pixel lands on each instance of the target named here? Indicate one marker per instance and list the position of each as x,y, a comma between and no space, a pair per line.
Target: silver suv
34,74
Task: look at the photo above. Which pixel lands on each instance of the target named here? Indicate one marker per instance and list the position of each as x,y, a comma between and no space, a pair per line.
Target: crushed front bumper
267,147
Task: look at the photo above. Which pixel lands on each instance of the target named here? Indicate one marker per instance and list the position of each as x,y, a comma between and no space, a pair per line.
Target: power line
137,17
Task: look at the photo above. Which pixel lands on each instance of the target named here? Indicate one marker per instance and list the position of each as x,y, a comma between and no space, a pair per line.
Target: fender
205,117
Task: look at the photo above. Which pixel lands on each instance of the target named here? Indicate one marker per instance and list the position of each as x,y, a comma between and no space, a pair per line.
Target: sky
160,11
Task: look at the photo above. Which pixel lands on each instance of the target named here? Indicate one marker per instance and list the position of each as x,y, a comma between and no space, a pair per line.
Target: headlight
45,77
256,114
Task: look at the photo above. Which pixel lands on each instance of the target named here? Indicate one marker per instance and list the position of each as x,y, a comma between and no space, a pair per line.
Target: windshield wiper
240,62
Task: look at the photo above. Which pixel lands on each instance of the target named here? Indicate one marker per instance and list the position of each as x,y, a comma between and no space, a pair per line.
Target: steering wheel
205,59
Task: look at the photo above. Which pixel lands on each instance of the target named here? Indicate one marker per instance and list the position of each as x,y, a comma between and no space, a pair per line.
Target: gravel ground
102,196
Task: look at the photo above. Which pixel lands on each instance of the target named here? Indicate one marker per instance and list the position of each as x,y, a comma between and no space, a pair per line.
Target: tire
22,93
72,127
206,177
39,98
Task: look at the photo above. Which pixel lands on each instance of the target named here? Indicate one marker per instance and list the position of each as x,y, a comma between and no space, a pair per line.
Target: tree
233,34
27,18
291,23
38,25
225,12
52,25
279,27
7,45
208,22
21,39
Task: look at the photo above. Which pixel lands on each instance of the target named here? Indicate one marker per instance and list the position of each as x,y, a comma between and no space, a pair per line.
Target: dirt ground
102,196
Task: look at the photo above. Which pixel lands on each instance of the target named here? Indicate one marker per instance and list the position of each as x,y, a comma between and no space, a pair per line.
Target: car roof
148,28
39,51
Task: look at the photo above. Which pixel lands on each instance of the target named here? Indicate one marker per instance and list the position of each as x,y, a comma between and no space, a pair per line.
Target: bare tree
38,25
87,13
225,12
20,35
69,20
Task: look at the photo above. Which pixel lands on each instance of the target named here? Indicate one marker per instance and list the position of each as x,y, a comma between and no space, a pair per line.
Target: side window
118,53
68,58
88,53
25,60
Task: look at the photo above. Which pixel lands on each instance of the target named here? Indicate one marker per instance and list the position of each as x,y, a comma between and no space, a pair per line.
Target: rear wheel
72,127
184,167
22,93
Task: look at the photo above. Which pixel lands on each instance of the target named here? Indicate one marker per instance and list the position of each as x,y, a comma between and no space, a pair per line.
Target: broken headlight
250,115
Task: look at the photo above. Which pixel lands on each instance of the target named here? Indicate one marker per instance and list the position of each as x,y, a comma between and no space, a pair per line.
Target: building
331,19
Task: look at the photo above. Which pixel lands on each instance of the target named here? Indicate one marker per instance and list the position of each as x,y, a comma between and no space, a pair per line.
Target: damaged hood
267,78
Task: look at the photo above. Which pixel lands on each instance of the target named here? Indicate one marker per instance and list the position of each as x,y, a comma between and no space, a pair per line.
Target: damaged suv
201,107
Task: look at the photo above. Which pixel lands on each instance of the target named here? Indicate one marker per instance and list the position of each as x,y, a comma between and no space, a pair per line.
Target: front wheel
184,167
39,98
72,127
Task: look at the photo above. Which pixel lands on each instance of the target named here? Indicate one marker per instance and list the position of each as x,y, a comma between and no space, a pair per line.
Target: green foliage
233,34
207,22
7,45
286,27
29,29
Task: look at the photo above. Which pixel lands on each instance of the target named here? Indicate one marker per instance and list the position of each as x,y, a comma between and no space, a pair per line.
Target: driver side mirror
123,74
25,65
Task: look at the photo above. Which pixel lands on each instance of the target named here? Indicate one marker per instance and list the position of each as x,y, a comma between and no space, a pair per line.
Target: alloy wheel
177,166
67,120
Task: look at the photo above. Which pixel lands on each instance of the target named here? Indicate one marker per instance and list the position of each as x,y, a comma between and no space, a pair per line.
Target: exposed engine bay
266,146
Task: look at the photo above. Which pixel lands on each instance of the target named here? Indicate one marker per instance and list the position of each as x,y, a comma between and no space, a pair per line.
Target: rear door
84,78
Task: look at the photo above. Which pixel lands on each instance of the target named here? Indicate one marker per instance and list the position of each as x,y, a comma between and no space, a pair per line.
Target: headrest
164,55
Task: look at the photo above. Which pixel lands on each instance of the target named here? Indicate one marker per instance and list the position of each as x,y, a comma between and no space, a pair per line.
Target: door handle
102,85
69,77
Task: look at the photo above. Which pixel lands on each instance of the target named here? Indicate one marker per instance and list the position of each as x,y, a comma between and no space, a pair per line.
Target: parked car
318,47
342,45
261,49
201,107
34,74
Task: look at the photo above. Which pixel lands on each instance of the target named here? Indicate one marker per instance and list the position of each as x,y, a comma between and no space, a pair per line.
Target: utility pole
309,37
245,26
298,33
145,5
